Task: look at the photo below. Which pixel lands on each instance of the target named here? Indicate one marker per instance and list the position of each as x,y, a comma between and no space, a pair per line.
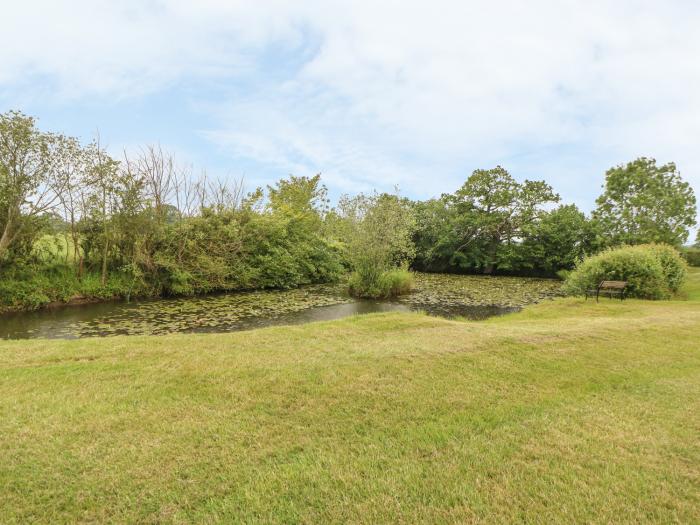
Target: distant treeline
77,223
495,224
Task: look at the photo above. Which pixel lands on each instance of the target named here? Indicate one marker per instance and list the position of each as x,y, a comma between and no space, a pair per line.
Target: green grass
570,411
691,289
55,248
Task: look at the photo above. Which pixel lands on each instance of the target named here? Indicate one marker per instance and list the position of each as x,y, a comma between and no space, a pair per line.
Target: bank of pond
451,296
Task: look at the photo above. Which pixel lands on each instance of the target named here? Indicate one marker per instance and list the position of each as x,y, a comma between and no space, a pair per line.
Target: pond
452,296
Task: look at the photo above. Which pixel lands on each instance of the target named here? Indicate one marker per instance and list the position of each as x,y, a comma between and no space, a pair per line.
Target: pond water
472,297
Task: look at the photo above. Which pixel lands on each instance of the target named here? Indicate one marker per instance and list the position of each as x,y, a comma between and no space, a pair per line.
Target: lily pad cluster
448,291
211,313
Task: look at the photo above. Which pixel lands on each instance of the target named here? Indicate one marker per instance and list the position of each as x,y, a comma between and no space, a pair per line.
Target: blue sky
370,94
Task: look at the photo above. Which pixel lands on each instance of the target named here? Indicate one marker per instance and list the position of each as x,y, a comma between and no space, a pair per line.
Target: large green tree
643,203
435,236
491,210
557,241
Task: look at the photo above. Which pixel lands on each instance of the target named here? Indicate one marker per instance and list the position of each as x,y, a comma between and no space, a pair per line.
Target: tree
297,208
102,180
72,169
29,181
697,240
303,196
492,209
643,203
378,233
558,241
435,237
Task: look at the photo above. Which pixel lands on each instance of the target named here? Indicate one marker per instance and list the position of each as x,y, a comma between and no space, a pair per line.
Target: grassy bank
567,412
33,289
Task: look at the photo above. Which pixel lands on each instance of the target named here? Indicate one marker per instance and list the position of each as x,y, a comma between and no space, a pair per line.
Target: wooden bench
610,288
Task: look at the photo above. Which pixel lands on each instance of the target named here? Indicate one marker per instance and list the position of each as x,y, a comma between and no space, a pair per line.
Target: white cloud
392,92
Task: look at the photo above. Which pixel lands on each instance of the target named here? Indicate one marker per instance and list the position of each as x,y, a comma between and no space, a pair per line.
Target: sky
371,94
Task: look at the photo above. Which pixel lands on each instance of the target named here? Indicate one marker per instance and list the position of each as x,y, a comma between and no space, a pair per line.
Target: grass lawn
567,412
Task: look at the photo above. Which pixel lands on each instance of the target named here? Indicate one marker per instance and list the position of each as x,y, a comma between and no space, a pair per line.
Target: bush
563,274
692,256
21,294
29,287
672,264
381,285
397,282
651,271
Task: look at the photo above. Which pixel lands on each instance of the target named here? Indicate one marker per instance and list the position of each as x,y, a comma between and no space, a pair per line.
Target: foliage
651,271
691,255
492,210
31,287
434,237
389,283
147,224
673,266
493,223
644,203
378,231
30,175
398,282
555,243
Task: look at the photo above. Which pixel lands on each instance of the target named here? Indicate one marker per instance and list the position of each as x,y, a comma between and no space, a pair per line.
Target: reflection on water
446,296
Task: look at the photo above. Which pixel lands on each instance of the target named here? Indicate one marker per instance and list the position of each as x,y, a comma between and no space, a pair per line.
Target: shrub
673,266
22,294
651,271
563,274
381,285
397,282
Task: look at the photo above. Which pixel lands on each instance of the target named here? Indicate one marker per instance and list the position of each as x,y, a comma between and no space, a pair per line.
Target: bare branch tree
30,183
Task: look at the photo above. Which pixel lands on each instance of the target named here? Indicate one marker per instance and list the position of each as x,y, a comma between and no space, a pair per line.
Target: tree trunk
5,240
105,251
65,238
7,236
77,256
104,263
490,265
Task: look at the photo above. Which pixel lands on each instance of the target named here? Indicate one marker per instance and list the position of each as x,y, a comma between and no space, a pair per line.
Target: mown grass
570,411
691,289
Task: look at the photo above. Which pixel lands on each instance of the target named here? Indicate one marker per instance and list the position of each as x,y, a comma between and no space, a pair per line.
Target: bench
610,288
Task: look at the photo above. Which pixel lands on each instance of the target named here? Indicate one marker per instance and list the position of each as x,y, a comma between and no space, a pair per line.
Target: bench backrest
620,285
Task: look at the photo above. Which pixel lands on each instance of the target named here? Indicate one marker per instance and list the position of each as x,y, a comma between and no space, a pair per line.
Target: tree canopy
473,227
643,203
30,175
